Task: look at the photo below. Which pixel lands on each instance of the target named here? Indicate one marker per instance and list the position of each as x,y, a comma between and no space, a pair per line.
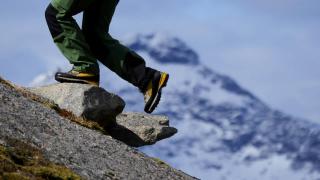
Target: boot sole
156,99
72,80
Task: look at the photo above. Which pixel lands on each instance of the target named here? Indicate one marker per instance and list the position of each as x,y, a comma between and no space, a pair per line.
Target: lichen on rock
19,161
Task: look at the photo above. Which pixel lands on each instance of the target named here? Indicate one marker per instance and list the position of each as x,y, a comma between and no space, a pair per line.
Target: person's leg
67,34
117,57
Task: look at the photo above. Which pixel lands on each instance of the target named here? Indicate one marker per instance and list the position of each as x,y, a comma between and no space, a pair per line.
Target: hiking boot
152,94
74,76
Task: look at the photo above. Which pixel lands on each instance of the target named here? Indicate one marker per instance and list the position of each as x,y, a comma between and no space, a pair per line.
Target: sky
269,47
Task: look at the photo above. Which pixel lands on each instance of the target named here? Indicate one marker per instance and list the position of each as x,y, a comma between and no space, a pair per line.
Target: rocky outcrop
89,153
96,104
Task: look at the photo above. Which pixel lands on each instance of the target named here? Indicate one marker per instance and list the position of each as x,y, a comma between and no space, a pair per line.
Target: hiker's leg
117,57
67,34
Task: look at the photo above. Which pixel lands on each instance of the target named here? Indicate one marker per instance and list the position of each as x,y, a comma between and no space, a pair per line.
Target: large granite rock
89,153
96,104
88,101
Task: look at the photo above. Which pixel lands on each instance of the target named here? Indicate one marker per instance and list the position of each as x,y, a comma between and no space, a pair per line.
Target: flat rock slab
87,101
137,129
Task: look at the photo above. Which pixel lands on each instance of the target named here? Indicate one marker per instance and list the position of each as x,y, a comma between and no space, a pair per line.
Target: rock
20,161
136,129
96,104
87,152
88,101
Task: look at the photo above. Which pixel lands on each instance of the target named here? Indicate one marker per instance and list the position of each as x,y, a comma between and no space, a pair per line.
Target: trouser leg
67,35
109,51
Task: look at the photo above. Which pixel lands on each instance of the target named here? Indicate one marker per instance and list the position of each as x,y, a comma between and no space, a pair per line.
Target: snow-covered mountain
225,132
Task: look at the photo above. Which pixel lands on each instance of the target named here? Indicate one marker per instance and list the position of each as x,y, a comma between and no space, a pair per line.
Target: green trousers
84,46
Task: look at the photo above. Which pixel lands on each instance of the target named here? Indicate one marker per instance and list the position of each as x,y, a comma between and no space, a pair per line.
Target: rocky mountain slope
225,131
34,121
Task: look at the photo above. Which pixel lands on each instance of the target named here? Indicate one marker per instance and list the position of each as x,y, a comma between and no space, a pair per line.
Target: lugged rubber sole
71,80
156,99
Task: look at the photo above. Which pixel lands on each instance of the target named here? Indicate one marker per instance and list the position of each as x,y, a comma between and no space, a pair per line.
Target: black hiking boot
74,76
152,95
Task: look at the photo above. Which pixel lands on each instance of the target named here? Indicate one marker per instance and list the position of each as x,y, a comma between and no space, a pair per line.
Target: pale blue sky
270,47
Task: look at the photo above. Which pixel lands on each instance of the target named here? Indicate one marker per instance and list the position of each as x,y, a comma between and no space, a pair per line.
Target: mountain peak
164,48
